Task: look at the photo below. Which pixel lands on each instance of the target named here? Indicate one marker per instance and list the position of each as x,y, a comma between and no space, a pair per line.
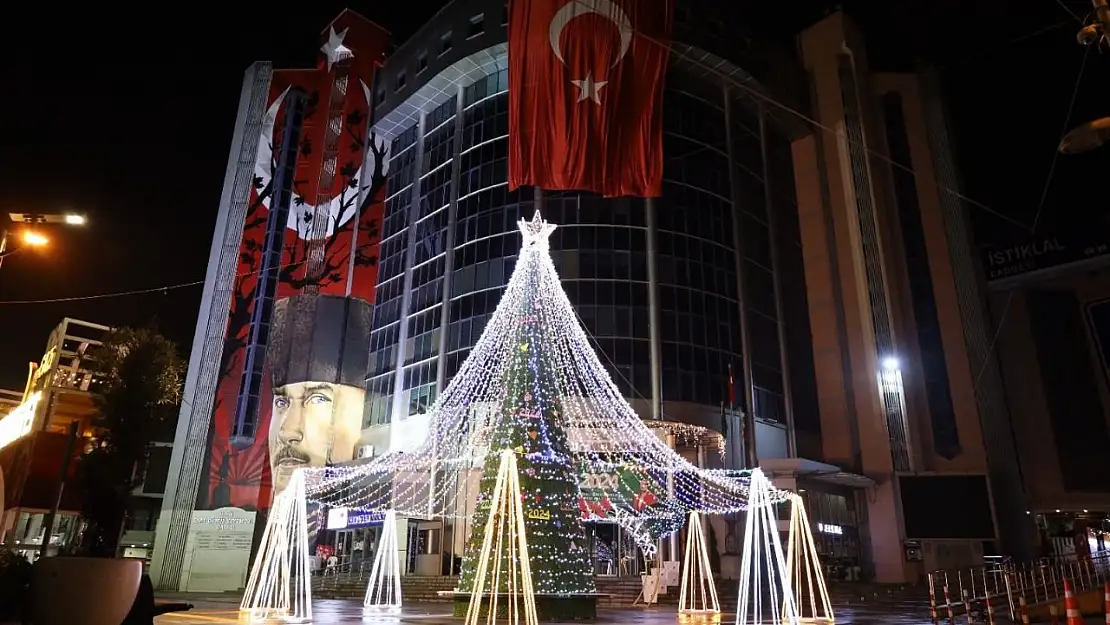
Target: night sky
128,118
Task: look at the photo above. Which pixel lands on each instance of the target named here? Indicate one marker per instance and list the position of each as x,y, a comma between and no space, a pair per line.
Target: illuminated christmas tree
529,423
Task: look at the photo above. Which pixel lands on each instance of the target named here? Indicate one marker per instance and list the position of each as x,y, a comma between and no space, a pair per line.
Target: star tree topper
537,232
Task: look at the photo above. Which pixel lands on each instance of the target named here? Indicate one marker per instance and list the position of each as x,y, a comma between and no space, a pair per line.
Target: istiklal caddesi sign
1004,263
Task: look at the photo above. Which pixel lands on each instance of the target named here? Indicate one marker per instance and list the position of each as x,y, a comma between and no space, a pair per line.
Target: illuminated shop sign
826,528
344,518
19,422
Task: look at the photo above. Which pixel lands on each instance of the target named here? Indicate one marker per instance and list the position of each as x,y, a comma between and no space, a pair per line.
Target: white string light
504,542
280,585
804,575
608,441
383,591
624,472
763,570
697,593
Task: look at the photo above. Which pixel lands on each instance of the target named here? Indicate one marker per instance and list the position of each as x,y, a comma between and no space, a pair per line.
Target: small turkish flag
585,94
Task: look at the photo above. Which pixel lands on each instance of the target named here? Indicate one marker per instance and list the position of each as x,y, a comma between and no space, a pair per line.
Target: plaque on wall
218,550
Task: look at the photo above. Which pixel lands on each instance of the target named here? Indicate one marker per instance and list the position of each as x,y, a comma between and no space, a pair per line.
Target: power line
883,157
1069,11
732,81
1036,217
154,289
84,298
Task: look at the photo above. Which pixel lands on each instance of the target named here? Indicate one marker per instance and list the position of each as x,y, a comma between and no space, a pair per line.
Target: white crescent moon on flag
576,8
264,161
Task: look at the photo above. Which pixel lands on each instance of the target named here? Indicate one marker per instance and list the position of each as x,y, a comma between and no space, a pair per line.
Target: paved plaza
225,610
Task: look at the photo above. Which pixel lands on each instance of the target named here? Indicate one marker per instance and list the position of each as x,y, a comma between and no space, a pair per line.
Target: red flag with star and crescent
586,94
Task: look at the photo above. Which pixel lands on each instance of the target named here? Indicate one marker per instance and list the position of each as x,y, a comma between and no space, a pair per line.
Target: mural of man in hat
317,357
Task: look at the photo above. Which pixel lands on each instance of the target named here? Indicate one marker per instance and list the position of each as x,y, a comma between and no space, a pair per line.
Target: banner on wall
328,247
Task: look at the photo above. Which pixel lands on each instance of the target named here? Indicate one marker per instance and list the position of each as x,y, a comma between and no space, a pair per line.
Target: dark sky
128,117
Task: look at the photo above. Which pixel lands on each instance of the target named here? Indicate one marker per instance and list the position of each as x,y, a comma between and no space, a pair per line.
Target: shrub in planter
15,576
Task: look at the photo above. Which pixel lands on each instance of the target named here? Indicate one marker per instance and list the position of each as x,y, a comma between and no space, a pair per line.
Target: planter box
90,591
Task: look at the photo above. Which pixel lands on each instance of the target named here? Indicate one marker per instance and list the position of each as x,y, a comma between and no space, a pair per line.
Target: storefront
353,535
834,519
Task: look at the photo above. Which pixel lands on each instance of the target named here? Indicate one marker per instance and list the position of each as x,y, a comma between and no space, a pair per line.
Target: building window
400,82
445,43
379,98
505,15
421,62
477,25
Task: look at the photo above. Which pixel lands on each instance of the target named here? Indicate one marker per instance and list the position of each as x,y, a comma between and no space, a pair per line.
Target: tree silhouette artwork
330,267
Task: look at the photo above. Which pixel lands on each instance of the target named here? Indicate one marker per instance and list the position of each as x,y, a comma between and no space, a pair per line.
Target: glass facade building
729,290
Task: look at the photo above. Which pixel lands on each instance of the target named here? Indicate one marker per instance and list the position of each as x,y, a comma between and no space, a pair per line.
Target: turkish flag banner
586,94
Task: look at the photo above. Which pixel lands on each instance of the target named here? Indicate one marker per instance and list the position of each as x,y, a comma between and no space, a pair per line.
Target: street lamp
1095,134
32,238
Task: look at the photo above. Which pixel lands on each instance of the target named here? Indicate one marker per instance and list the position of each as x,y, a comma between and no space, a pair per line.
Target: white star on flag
588,88
334,49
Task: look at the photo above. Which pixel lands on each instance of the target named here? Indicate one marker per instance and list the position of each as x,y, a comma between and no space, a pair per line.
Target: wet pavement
225,610
865,611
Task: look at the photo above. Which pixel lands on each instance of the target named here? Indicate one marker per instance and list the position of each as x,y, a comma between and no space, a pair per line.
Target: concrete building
34,437
1050,299
909,391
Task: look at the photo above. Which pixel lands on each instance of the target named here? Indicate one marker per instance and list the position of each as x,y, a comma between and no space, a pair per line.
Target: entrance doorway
613,550
357,545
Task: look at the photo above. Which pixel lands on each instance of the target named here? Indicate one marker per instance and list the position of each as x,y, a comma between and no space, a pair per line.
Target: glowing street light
34,239
890,364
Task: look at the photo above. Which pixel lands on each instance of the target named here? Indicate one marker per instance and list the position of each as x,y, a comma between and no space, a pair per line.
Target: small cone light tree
504,543
280,585
698,593
529,423
804,576
383,591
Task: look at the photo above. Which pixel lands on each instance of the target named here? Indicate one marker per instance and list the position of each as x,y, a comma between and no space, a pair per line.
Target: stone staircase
620,591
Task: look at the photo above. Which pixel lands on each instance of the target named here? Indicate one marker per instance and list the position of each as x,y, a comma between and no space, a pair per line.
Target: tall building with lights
790,284
677,294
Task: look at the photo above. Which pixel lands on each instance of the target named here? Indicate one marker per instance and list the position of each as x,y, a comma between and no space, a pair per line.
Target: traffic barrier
990,608
1070,606
1024,610
932,601
1106,602
948,604
967,605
